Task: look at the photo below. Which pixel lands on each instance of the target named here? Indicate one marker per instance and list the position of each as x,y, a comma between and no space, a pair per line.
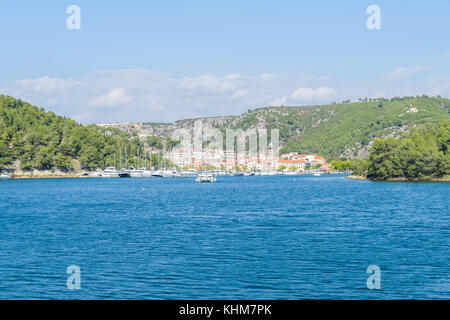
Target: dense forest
43,140
421,154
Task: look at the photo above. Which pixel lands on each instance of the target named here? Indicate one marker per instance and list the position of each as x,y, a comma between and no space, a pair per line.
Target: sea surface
278,237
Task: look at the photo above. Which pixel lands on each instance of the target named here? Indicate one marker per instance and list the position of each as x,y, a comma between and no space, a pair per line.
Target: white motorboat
268,173
96,175
222,173
317,174
157,173
110,172
188,173
136,173
5,176
147,174
205,177
167,174
176,174
124,174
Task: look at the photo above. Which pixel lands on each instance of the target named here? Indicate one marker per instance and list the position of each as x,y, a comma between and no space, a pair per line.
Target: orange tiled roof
292,161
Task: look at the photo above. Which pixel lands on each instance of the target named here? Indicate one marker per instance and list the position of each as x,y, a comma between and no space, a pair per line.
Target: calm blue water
241,238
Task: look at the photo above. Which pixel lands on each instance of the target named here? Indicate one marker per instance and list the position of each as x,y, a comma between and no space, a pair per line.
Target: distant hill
335,131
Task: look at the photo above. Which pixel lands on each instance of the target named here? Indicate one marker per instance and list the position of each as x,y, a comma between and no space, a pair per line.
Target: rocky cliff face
164,130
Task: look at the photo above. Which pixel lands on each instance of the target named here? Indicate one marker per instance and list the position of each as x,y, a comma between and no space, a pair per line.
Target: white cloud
439,86
267,76
444,55
44,84
279,101
148,95
115,97
211,84
234,76
308,94
407,72
239,94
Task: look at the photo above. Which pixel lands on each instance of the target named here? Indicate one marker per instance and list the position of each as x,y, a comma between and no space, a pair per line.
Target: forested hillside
42,140
345,130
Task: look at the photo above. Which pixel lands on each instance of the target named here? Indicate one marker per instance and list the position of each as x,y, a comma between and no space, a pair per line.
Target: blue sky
167,60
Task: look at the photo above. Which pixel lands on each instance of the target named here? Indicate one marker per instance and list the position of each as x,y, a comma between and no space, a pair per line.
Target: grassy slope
341,130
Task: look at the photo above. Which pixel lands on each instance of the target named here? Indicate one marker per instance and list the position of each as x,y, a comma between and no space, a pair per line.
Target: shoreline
25,177
443,179
60,175
51,175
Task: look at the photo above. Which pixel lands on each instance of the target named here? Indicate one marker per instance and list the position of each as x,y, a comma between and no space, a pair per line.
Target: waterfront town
187,156
231,160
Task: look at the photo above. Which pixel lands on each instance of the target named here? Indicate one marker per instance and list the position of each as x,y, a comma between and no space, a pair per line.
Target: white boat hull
205,178
110,175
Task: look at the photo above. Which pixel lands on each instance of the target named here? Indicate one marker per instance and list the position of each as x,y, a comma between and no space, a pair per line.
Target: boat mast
151,156
145,158
203,161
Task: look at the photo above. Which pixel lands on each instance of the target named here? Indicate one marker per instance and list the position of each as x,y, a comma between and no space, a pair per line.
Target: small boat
147,173
221,173
124,174
317,174
205,177
96,175
167,174
5,176
176,174
134,173
188,173
157,173
268,173
110,172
